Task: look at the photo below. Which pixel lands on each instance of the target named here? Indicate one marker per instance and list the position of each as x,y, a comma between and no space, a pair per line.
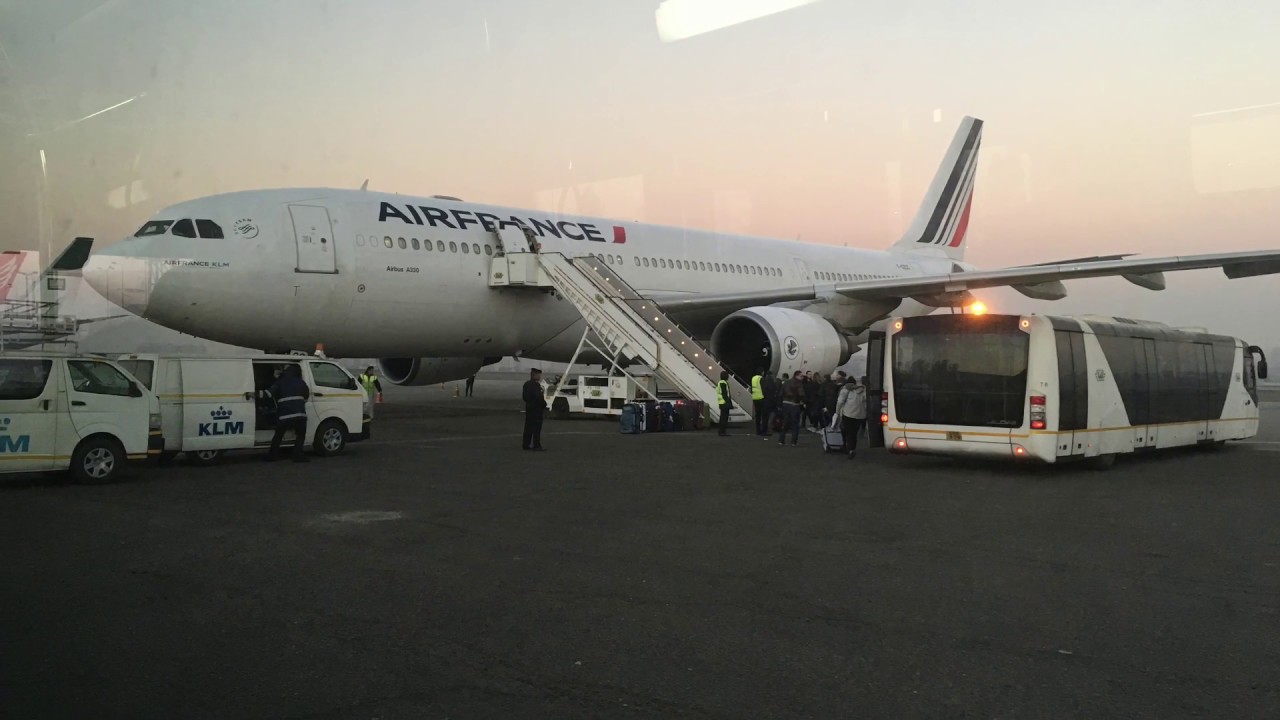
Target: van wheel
1101,462
97,460
331,438
204,458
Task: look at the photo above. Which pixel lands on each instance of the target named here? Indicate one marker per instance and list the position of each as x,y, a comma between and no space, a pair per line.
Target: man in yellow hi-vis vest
724,401
757,403
372,388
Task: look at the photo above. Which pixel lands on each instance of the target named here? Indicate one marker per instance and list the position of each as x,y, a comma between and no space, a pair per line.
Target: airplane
29,296
407,279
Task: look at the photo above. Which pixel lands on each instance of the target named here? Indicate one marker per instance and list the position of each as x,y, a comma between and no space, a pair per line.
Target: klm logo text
221,424
13,443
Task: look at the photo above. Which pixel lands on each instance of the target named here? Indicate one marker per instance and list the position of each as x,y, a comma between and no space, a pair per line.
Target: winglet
941,223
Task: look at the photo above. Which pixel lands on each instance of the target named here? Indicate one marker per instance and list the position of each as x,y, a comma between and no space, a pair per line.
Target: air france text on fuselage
462,219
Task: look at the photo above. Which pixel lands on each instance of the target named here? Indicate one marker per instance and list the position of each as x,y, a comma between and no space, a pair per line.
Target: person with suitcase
851,409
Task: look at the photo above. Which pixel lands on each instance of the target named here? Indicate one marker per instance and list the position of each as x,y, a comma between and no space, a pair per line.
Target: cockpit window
184,228
209,229
153,227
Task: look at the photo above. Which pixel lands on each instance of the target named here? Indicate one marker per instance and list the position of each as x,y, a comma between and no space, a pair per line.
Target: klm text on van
222,424
13,443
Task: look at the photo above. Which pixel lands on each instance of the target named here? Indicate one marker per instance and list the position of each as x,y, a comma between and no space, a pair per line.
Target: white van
209,405
71,411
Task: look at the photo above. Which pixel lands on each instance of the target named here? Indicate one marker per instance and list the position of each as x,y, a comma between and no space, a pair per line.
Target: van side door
217,404
28,415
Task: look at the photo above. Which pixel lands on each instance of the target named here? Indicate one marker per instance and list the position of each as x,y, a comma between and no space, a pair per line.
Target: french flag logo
619,234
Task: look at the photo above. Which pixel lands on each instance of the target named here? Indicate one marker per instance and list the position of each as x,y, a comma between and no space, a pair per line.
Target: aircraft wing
1039,281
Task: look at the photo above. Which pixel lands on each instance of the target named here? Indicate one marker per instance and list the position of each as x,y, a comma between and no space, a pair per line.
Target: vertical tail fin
941,223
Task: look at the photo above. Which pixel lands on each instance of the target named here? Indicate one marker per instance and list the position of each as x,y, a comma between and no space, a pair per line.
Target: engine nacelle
429,370
779,340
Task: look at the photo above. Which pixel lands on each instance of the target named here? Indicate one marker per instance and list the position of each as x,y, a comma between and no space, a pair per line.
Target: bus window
975,374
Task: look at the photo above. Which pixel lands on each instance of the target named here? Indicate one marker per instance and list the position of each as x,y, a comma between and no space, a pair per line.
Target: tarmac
438,571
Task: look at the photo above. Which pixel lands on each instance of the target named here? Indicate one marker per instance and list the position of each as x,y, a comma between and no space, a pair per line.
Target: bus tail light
884,408
1037,412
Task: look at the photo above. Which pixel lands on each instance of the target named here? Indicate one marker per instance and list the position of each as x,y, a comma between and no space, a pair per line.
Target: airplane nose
125,281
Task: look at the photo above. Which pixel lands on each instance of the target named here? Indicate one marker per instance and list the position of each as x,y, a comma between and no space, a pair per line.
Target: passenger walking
372,388
813,401
770,405
290,393
535,404
725,401
757,401
792,397
830,393
851,409
471,384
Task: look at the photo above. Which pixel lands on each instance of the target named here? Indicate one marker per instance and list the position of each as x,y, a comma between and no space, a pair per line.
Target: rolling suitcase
689,415
652,417
632,420
668,413
832,440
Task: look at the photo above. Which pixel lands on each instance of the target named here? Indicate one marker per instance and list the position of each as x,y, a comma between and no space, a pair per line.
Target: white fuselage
269,284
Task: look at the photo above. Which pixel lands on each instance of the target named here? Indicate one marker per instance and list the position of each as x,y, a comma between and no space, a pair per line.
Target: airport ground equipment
74,412
598,394
210,405
1047,388
622,325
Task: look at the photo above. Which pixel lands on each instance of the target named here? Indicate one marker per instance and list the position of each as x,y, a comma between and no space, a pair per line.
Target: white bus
1043,388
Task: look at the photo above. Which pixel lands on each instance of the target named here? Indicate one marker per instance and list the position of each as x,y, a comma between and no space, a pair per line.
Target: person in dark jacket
812,400
792,397
770,405
290,393
535,404
830,393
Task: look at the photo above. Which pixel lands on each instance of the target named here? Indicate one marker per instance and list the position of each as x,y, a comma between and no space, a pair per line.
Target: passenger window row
185,227
425,244
849,277
705,266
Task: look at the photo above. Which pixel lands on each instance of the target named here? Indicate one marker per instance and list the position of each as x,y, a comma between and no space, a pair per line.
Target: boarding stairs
627,324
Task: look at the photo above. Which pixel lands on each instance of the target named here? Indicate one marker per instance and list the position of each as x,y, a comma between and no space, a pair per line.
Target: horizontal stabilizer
1052,290
74,256
1150,281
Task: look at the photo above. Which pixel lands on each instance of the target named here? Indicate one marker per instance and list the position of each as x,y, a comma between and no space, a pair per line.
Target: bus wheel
204,458
97,460
1101,462
331,438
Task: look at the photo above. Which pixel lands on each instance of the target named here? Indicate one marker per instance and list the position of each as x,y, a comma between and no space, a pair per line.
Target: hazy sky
1106,129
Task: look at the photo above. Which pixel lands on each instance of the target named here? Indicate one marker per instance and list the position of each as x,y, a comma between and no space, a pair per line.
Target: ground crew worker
757,402
851,408
471,384
290,393
372,388
724,401
535,403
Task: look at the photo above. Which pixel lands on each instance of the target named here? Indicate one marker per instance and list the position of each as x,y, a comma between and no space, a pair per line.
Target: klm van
79,413
209,405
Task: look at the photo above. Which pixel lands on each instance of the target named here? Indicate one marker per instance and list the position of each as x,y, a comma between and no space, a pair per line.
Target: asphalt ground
440,572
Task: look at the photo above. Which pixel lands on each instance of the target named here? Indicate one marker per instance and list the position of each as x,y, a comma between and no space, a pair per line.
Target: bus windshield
960,370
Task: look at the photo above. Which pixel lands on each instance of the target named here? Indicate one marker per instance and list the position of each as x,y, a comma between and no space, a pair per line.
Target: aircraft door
875,388
803,269
313,233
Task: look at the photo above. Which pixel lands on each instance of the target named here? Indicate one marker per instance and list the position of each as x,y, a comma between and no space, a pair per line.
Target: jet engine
429,370
780,340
